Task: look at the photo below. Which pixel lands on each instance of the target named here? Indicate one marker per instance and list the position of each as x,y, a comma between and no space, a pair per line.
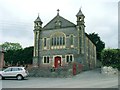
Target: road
87,79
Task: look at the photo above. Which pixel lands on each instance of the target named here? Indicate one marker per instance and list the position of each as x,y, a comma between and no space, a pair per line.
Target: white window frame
46,59
71,45
58,44
45,47
69,58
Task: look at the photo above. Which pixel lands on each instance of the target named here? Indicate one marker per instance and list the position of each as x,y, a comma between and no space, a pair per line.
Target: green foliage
100,45
27,55
11,46
20,56
111,57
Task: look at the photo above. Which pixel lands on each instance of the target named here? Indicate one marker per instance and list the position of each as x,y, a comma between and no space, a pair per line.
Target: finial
80,8
38,19
38,14
80,12
58,11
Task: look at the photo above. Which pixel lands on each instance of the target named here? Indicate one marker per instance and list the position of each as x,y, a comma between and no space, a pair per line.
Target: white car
14,72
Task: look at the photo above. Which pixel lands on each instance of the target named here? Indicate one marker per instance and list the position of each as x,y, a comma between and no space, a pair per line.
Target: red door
57,62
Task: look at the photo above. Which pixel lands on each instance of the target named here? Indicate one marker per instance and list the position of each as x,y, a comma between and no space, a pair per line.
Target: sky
17,18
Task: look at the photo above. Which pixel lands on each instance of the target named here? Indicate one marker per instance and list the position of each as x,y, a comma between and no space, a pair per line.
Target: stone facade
61,42
1,58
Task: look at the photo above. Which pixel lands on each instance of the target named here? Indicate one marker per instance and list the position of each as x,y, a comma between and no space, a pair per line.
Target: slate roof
38,19
89,38
64,23
80,13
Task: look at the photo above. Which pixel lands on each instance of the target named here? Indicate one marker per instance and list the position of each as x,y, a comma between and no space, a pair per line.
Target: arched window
61,40
52,41
45,42
80,18
71,39
58,40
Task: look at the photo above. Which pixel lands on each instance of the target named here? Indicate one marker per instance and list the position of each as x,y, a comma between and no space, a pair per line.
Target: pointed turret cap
80,13
38,19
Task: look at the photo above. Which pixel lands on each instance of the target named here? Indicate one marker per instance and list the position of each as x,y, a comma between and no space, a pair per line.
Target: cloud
104,21
16,18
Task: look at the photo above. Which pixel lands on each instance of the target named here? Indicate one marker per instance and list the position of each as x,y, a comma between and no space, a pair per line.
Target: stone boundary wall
50,72
64,71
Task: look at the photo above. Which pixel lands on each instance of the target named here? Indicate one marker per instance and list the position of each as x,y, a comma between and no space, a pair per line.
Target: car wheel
19,77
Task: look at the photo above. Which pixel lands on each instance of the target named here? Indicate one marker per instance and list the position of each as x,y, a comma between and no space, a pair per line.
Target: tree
27,55
111,57
100,45
20,56
8,56
11,46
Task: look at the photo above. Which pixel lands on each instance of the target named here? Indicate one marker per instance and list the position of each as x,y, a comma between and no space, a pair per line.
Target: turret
38,23
80,18
37,32
81,31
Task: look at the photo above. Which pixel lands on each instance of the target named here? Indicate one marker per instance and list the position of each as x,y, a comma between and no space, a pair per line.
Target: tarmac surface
86,79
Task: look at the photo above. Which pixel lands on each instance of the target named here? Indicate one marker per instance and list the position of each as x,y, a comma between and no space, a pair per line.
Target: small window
63,40
80,18
45,42
57,40
58,24
46,59
80,28
71,39
67,58
52,41
71,58
60,40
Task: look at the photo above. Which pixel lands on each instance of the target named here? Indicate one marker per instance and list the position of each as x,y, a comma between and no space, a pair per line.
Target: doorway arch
57,61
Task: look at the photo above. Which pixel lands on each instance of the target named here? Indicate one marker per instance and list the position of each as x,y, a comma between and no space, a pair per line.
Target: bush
111,57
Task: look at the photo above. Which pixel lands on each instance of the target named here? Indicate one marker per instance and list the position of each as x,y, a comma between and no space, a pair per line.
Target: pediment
58,22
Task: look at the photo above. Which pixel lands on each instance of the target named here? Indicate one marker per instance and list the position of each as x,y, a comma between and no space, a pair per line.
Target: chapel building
61,42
